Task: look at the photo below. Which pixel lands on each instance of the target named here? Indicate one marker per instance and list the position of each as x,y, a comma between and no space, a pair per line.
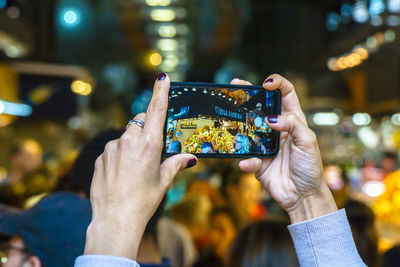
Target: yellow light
155,59
5,120
332,64
81,87
158,2
379,37
167,31
162,15
362,52
354,59
342,63
167,44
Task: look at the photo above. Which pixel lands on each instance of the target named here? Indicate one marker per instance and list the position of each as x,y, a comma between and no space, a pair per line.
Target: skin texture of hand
294,178
129,181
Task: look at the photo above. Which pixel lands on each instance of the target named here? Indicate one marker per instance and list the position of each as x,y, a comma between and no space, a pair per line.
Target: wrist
114,237
317,204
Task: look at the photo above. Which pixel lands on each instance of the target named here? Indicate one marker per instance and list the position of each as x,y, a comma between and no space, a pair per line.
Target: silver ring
139,123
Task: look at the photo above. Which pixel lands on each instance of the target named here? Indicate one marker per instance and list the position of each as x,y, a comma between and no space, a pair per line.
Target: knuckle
292,117
125,140
148,141
140,116
313,136
99,162
157,105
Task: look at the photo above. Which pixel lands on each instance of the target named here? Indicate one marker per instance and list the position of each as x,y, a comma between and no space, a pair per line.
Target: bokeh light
361,119
70,17
81,88
155,59
373,188
162,15
326,118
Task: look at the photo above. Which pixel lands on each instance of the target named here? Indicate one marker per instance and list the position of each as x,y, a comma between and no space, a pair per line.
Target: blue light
15,109
394,6
3,3
360,11
70,17
332,21
376,7
346,10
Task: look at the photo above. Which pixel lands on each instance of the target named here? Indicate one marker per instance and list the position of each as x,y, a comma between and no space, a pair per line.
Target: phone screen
211,120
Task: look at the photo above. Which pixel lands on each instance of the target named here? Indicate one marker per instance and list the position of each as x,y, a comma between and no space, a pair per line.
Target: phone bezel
227,86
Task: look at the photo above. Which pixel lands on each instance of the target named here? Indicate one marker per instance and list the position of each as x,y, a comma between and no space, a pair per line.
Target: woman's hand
129,181
294,178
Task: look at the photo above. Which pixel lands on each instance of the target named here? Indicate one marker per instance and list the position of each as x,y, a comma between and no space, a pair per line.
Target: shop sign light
326,118
361,119
15,109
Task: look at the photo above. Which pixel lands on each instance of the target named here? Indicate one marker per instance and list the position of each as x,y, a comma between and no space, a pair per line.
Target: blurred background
71,69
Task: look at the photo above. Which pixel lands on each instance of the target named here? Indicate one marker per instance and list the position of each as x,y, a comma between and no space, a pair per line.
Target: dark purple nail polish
272,118
270,80
191,163
162,76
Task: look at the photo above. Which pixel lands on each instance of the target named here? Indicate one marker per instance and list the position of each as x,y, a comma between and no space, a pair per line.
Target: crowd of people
243,145
220,216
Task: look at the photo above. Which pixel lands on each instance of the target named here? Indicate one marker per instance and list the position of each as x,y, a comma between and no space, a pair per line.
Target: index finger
157,109
290,102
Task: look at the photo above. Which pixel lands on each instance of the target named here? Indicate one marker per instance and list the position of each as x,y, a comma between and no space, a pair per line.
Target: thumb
171,166
303,137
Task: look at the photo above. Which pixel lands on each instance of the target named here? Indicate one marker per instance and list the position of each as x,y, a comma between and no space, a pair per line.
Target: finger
237,81
302,136
157,110
290,102
171,166
252,165
134,128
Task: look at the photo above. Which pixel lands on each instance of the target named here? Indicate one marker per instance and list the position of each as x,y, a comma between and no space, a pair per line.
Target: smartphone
221,121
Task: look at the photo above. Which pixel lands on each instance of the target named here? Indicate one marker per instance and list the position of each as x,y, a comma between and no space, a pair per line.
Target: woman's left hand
129,181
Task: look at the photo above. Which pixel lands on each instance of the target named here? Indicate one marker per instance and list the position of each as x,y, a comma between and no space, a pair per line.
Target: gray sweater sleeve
104,261
325,241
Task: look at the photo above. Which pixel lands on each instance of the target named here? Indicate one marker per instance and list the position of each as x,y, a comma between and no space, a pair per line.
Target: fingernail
270,80
191,163
162,76
272,118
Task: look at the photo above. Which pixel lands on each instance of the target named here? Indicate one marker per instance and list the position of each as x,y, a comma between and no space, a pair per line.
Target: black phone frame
224,86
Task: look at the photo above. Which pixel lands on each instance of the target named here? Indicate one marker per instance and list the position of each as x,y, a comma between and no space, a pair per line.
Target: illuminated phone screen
212,120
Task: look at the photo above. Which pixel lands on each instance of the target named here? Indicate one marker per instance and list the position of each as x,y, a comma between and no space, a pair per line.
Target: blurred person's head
391,258
80,176
203,187
338,182
174,147
192,211
51,233
265,243
207,148
25,157
362,221
389,162
242,189
242,144
148,252
257,138
225,222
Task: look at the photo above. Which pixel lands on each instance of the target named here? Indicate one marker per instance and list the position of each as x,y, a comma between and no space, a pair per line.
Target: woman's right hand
294,178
